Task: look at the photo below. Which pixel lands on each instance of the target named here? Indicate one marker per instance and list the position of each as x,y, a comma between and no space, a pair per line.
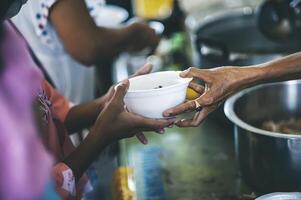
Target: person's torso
71,78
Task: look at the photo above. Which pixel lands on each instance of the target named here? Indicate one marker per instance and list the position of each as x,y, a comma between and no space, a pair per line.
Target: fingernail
167,114
184,73
179,121
145,142
161,131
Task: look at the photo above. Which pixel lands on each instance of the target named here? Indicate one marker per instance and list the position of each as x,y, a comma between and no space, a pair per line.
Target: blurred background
196,163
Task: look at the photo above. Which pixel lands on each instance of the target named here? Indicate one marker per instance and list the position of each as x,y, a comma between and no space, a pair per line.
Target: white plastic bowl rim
181,82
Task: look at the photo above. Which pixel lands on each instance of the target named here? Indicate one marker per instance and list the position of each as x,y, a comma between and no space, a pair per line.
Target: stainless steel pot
268,161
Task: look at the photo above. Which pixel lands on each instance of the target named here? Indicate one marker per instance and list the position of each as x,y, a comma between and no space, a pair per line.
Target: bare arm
222,82
88,43
112,124
84,115
286,68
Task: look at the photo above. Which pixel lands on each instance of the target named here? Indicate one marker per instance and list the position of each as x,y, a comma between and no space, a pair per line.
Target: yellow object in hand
191,94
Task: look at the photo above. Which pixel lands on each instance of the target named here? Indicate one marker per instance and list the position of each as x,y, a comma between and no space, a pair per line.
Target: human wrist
102,134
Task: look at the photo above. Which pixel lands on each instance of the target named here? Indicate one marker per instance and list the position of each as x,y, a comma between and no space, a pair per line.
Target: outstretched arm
84,115
114,123
222,82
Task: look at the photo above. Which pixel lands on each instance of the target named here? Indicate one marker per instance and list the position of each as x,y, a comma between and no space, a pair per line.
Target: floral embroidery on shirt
42,21
42,26
69,182
65,180
44,106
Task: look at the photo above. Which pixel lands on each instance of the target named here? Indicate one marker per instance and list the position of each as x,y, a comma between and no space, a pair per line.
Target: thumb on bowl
121,89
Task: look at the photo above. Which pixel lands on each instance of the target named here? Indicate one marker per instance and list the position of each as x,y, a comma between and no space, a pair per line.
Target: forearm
86,153
83,40
110,42
84,115
286,68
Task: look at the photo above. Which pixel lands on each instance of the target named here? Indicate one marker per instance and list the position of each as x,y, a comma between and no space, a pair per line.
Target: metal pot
232,37
268,161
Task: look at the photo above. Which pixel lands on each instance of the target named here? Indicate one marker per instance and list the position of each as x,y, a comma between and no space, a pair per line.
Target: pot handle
212,50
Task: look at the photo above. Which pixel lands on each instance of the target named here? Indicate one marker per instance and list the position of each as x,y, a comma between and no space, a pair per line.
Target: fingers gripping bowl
150,95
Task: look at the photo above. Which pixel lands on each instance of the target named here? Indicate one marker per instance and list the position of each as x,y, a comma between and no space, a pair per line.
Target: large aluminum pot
268,161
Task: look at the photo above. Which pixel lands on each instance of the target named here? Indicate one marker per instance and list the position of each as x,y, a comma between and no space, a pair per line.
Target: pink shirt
55,108
22,84
25,165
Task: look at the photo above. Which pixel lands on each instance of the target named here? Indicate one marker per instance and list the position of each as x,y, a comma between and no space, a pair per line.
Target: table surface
190,163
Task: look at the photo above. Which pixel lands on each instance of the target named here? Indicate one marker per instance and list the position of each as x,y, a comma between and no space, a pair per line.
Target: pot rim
231,115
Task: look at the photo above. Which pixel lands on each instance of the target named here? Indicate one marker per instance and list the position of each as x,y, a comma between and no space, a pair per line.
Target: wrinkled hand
220,83
141,36
115,122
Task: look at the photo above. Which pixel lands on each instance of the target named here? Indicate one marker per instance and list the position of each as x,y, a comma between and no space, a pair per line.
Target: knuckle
150,122
191,104
120,87
209,100
190,69
194,124
157,126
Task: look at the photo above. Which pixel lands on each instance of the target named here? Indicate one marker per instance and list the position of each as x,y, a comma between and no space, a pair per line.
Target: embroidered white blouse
72,79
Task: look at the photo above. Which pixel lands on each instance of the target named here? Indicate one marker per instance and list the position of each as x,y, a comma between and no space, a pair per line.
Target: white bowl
146,98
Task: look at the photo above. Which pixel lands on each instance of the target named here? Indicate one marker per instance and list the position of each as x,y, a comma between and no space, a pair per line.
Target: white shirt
72,79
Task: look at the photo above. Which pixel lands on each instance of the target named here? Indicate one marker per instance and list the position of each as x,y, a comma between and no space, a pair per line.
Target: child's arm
112,124
84,115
